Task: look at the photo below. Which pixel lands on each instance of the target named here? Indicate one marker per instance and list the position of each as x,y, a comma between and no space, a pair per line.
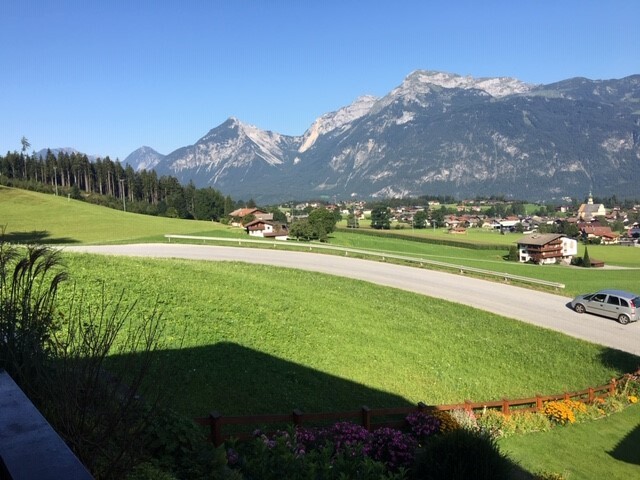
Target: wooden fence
242,427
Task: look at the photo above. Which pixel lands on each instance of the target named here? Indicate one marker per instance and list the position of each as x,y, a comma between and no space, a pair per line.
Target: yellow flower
632,399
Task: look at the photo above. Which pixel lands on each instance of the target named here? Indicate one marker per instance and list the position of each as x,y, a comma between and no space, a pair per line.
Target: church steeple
590,200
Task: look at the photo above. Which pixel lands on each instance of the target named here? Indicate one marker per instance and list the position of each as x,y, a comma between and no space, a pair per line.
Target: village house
547,248
267,229
240,213
605,234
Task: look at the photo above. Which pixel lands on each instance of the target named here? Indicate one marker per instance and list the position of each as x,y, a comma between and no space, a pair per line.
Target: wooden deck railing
242,427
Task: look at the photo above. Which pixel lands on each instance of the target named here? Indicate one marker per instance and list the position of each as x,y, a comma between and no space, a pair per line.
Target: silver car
618,304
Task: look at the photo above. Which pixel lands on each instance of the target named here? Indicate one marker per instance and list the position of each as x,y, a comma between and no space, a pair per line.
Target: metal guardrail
383,256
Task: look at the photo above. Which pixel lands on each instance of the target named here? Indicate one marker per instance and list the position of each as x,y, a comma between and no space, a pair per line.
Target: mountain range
436,133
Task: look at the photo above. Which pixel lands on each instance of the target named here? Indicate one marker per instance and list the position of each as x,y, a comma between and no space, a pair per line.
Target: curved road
539,308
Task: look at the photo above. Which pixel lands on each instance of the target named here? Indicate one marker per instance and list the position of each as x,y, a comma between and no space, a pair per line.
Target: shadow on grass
623,362
235,380
36,237
627,450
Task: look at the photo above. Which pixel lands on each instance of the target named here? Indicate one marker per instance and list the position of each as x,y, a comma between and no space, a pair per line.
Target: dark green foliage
462,455
420,219
105,182
277,459
29,280
380,218
320,223
586,261
513,253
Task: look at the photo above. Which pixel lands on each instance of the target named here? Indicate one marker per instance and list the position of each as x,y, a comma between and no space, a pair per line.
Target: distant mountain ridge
436,133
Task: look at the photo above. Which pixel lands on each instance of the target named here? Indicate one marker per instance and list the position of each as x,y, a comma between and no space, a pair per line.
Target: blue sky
107,77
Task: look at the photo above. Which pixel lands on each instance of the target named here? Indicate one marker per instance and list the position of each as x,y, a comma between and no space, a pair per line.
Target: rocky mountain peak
339,120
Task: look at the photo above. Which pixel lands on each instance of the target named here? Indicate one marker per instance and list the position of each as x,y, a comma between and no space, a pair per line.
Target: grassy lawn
259,339
605,448
243,339
31,217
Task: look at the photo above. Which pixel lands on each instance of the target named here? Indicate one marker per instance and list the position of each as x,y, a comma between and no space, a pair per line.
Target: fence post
591,397
215,423
366,417
297,417
467,406
612,387
538,402
505,406
422,406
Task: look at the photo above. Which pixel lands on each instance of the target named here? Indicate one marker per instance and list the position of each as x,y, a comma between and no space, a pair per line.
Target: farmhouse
240,213
547,248
267,229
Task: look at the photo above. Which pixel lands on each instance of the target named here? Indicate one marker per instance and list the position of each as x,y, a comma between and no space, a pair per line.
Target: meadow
244,339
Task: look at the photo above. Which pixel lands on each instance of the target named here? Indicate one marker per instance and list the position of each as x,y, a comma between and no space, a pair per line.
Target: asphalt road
539,308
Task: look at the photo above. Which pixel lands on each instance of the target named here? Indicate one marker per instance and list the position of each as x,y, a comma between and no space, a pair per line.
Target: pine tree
586,261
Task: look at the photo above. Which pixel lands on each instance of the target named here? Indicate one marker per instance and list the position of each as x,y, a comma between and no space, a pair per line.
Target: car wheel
623,319
579,308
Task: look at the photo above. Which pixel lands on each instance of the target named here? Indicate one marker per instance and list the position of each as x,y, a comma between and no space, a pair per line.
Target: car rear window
635,302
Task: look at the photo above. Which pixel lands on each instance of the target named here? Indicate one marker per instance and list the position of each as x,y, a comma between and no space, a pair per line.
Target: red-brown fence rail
242,427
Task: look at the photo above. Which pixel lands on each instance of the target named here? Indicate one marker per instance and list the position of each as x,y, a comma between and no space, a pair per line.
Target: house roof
243,212
599,231
539,239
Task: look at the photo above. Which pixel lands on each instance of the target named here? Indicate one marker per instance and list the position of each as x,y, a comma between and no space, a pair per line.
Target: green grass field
242,338
604,448
259,339
31,217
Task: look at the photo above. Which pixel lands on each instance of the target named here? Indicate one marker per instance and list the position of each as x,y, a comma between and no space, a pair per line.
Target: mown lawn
605,448
30,217
246,339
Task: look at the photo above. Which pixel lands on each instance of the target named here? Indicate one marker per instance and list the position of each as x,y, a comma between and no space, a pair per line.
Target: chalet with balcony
267,229
240,213
547,248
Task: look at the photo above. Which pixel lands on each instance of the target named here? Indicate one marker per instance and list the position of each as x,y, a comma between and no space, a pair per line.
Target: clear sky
107,77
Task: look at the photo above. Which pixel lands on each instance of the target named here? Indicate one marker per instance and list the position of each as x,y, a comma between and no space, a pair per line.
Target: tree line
106,182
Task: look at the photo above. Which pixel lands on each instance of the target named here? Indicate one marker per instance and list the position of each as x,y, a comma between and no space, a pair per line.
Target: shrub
281,456
392,447
466,419
527,422
462,454
423,424
563,412
447,422
495,423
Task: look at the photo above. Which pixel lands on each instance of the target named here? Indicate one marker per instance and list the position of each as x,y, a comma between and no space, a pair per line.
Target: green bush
495,423
527,422
460,455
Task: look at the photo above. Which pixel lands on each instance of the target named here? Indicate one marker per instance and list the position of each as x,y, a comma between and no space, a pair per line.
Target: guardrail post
366,417
215,423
